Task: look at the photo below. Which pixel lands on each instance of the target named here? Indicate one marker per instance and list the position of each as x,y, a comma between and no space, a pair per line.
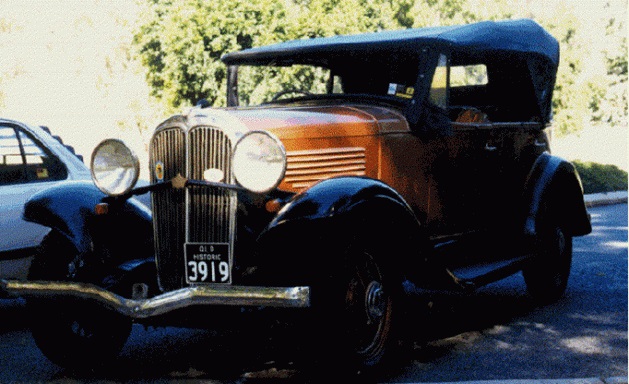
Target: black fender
553,190
299,242
124,233
336,197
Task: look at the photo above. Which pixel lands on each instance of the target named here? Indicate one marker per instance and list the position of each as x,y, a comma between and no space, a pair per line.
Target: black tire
72,333
355,320
546,277
78,335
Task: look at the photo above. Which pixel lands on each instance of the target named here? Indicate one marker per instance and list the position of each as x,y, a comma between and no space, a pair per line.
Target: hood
313,122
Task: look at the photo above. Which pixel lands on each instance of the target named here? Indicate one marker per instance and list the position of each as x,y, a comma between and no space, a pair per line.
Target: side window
468,75
337,84
468,86
23,160
11,160
467,91
439,86
40,164
33,154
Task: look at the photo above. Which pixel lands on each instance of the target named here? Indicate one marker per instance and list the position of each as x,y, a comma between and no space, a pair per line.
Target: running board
466,280
484,274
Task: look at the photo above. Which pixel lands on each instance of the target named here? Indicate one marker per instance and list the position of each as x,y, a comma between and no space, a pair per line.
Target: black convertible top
519,55
518,36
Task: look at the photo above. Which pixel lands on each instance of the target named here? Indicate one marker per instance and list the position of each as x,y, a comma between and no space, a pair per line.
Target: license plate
208,263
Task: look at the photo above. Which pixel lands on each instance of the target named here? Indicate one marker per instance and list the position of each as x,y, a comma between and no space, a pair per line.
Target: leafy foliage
610,105
591,82
599,178
181,42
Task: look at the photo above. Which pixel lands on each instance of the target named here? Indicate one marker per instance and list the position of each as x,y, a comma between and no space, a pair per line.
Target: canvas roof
519,36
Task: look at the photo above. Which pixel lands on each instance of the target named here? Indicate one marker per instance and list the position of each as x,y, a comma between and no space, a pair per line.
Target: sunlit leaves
181,42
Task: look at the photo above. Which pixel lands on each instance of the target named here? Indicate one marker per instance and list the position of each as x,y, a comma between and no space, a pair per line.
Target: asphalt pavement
591,200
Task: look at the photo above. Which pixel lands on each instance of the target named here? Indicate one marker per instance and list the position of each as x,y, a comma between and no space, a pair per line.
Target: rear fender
553,191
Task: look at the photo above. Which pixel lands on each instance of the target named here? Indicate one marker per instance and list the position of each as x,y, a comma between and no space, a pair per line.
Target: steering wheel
278,95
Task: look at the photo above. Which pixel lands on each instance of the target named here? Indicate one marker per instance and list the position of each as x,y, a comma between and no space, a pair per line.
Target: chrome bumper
283,297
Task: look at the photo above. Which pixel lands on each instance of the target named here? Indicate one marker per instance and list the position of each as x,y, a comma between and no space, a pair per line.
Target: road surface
496,334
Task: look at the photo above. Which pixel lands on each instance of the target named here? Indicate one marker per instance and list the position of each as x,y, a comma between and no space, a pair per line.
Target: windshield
388,77
259,85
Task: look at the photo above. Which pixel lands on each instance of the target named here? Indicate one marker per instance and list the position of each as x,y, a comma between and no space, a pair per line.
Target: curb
607,198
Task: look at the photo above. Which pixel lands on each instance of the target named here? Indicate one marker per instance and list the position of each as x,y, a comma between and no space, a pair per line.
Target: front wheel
76,335
546,277
73,334
368,313
356,315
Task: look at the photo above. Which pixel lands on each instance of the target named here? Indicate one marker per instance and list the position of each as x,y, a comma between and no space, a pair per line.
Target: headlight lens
115,168
259,161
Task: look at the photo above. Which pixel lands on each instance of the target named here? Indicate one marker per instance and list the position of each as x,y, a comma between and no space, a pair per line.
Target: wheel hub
375,301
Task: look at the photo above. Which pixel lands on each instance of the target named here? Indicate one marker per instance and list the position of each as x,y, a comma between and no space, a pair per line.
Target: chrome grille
211,211
195,214
168,147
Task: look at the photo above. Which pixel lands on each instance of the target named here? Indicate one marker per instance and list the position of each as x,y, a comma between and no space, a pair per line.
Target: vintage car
31,160
393,168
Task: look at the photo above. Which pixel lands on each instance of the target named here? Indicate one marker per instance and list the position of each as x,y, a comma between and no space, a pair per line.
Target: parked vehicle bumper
280,297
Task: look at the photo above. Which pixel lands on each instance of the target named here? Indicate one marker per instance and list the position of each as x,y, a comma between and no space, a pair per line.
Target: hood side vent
309,166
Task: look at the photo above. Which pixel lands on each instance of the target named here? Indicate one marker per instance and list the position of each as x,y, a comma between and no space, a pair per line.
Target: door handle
540,144
490,148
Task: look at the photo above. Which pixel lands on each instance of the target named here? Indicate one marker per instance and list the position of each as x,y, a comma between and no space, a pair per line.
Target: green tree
453,12
180,44
610,105
572,88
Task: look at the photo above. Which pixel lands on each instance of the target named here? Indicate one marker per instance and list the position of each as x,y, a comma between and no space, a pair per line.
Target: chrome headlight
259,161
115,168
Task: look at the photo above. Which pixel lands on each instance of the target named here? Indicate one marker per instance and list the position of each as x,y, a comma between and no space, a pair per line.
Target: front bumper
279,297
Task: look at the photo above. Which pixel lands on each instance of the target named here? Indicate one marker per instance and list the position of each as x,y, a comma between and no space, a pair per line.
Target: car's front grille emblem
159,171
214,175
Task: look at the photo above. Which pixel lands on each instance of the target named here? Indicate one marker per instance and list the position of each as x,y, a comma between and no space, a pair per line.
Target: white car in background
31,160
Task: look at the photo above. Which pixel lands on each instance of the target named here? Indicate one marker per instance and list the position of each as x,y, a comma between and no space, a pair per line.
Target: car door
26,167
467,171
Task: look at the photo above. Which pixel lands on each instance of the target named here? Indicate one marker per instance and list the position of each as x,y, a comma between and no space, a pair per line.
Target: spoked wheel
547,276
354,317
368,311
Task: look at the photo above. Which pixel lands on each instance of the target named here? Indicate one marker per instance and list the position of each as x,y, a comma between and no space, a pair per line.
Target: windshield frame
333,81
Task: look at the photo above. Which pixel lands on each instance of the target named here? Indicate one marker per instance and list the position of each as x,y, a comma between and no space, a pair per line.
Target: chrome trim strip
230,295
